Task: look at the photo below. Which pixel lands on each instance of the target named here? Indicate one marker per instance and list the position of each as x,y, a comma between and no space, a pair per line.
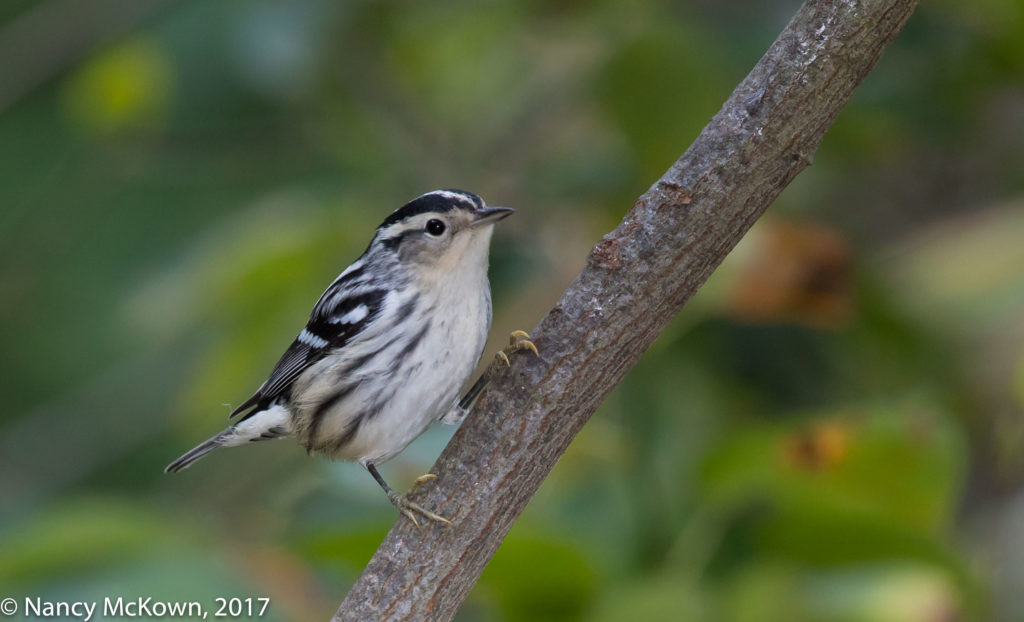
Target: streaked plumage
387,346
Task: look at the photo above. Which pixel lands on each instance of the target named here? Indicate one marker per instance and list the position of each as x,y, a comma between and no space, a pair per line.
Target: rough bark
636,280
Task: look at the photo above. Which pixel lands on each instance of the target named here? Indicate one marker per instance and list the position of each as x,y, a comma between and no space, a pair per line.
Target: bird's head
443,229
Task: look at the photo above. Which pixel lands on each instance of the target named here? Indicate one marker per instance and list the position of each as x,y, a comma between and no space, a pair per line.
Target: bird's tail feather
196,453
273,422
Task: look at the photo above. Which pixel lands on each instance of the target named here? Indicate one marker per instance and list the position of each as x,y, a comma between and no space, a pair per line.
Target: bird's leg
403,504
518,340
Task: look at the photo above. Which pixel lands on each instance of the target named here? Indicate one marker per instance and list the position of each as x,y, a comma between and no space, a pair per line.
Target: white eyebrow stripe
353,316
455,196
311,340
396,229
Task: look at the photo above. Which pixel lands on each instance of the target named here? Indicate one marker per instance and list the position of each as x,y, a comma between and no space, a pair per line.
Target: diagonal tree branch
636,280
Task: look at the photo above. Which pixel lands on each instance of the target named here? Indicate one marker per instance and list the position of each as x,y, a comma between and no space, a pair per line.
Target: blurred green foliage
830,431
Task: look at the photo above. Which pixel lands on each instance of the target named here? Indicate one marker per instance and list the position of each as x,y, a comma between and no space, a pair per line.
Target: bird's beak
491,215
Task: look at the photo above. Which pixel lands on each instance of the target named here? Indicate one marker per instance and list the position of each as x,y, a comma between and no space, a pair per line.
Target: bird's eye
435,227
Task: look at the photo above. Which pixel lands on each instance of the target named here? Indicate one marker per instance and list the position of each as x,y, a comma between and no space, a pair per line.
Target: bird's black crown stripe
439,201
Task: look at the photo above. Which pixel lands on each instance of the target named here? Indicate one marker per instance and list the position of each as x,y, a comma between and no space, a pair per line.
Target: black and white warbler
388,346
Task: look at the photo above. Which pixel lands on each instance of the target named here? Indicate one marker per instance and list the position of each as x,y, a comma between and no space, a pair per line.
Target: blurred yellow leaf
125,87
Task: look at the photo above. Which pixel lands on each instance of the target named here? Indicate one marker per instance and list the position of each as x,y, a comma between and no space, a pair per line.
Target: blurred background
832,430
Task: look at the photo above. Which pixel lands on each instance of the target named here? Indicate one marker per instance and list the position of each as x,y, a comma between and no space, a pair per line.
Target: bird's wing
344,311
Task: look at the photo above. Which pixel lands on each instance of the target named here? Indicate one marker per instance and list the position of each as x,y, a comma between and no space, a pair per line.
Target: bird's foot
426,477
410,508
518,340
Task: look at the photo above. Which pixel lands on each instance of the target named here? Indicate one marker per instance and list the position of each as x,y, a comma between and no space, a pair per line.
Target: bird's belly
379,409
384,433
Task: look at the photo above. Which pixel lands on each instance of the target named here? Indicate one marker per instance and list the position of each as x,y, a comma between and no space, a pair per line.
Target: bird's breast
372,398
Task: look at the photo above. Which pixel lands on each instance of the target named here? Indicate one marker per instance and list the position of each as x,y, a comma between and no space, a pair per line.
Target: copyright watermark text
143,607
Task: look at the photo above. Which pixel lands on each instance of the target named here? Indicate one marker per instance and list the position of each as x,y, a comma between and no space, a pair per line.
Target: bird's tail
197,452
274,422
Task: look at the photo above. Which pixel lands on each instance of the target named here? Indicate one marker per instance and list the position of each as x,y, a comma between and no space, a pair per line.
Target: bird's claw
410,508
518,340
426,477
